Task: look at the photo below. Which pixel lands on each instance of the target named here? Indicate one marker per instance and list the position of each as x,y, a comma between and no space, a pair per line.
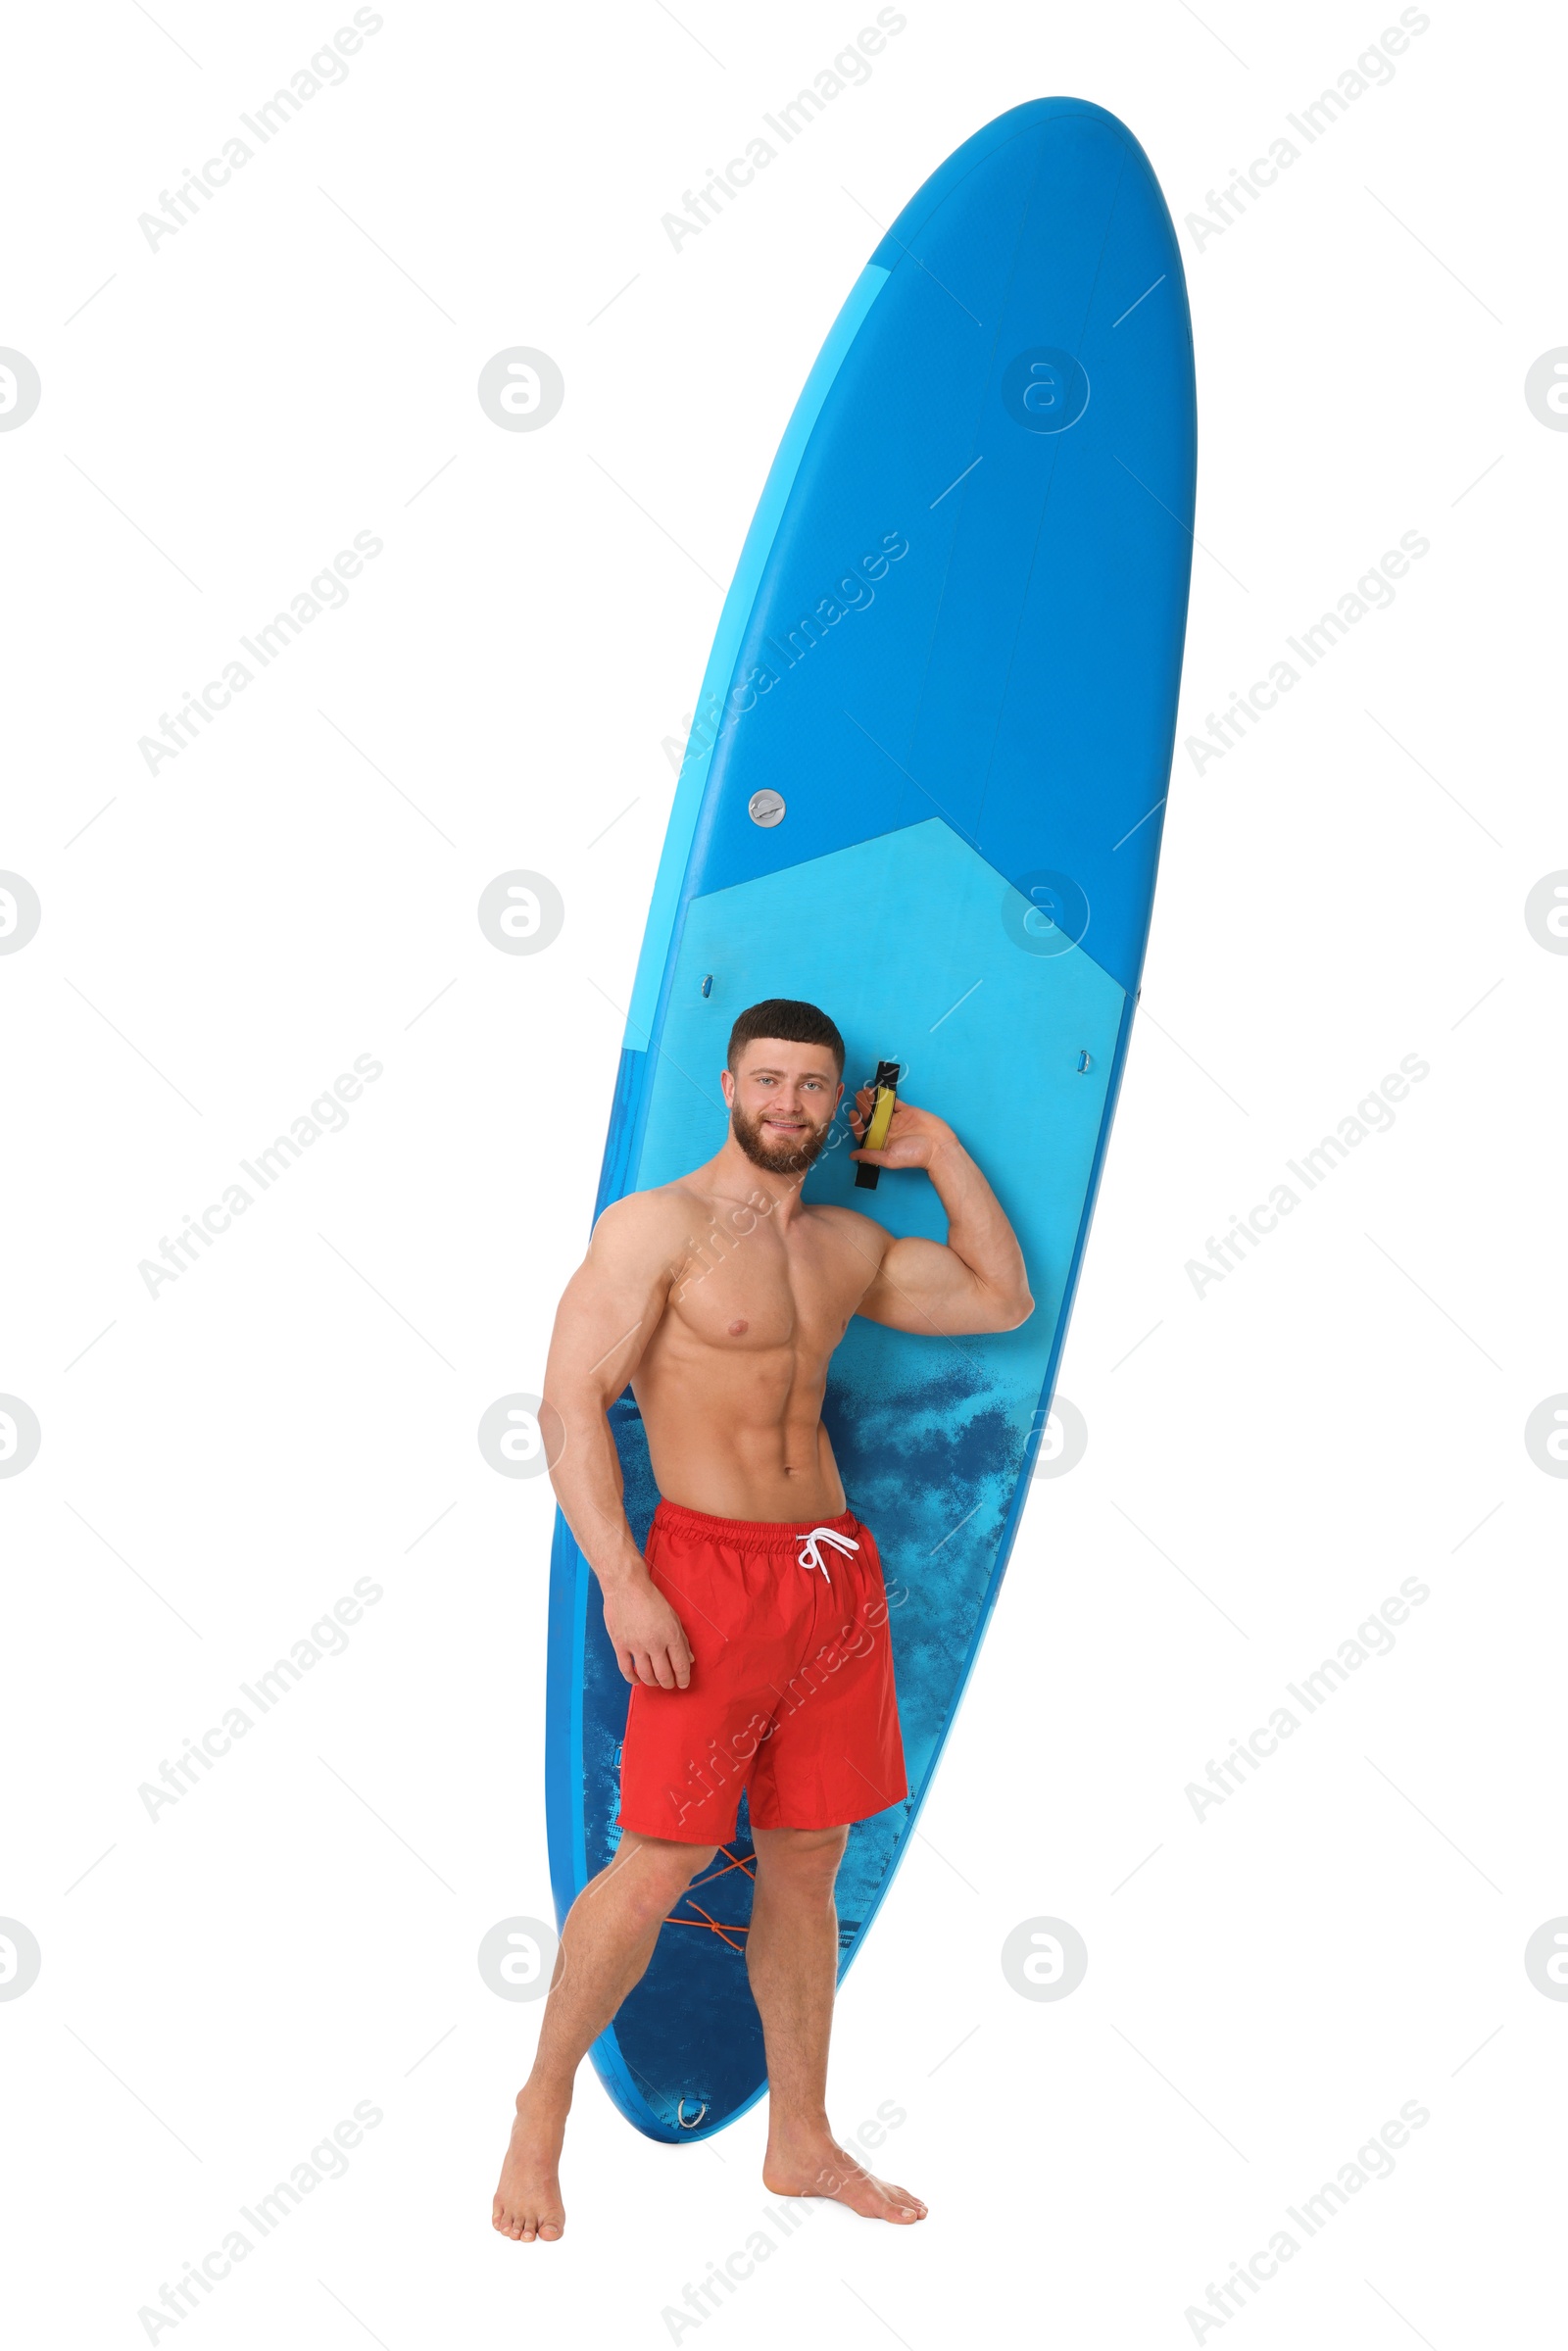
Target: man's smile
784,1142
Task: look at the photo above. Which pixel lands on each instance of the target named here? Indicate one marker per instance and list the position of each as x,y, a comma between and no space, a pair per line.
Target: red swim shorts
791,1693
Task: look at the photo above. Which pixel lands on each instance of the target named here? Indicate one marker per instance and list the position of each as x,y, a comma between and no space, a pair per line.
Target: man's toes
549,2229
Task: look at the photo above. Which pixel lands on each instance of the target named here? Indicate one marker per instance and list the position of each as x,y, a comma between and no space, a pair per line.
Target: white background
1266,1461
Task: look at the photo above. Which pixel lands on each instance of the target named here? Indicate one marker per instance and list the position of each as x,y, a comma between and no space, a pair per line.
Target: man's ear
726,1082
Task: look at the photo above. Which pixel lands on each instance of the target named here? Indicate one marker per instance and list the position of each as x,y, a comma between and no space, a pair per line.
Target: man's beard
778,1158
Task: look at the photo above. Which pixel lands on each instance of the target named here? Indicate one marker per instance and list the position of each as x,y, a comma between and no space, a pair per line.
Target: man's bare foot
811,2163
528,2203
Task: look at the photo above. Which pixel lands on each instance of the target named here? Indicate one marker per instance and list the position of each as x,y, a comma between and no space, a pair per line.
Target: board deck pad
952,647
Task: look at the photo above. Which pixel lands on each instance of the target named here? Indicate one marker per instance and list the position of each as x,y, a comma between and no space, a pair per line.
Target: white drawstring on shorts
810,1555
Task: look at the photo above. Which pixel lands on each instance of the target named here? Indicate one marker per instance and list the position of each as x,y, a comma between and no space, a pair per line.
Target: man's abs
731,1463
730,1387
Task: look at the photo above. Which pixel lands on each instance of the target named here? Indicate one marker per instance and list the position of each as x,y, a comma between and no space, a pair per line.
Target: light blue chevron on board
901,940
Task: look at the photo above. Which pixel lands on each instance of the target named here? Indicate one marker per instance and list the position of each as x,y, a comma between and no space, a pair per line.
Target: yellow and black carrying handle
884,1102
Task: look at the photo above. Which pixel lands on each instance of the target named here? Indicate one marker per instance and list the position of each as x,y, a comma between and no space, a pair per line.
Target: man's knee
663,1868
809,1855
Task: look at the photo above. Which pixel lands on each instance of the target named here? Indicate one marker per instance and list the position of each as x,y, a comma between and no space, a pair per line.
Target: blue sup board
925,790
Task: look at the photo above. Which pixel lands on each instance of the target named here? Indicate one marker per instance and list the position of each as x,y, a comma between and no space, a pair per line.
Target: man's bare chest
759,1290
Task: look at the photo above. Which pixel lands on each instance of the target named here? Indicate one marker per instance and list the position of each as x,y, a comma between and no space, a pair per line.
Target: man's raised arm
609,1311
976,1281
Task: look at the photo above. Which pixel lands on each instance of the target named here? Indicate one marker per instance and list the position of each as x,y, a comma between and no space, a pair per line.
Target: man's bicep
912,1282
600,1335
923,1285
613,1303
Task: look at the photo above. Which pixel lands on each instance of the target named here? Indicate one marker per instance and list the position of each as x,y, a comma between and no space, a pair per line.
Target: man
754,1632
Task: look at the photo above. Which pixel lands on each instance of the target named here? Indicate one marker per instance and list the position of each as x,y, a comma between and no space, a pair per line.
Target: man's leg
606,1944
791,1956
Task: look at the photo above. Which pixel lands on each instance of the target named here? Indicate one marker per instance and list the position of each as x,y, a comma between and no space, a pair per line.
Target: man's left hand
914,1138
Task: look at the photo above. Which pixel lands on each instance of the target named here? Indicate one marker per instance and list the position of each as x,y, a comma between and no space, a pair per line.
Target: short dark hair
786,1017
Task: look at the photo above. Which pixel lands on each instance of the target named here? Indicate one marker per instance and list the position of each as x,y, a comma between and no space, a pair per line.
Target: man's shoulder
864,1232
646,1218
